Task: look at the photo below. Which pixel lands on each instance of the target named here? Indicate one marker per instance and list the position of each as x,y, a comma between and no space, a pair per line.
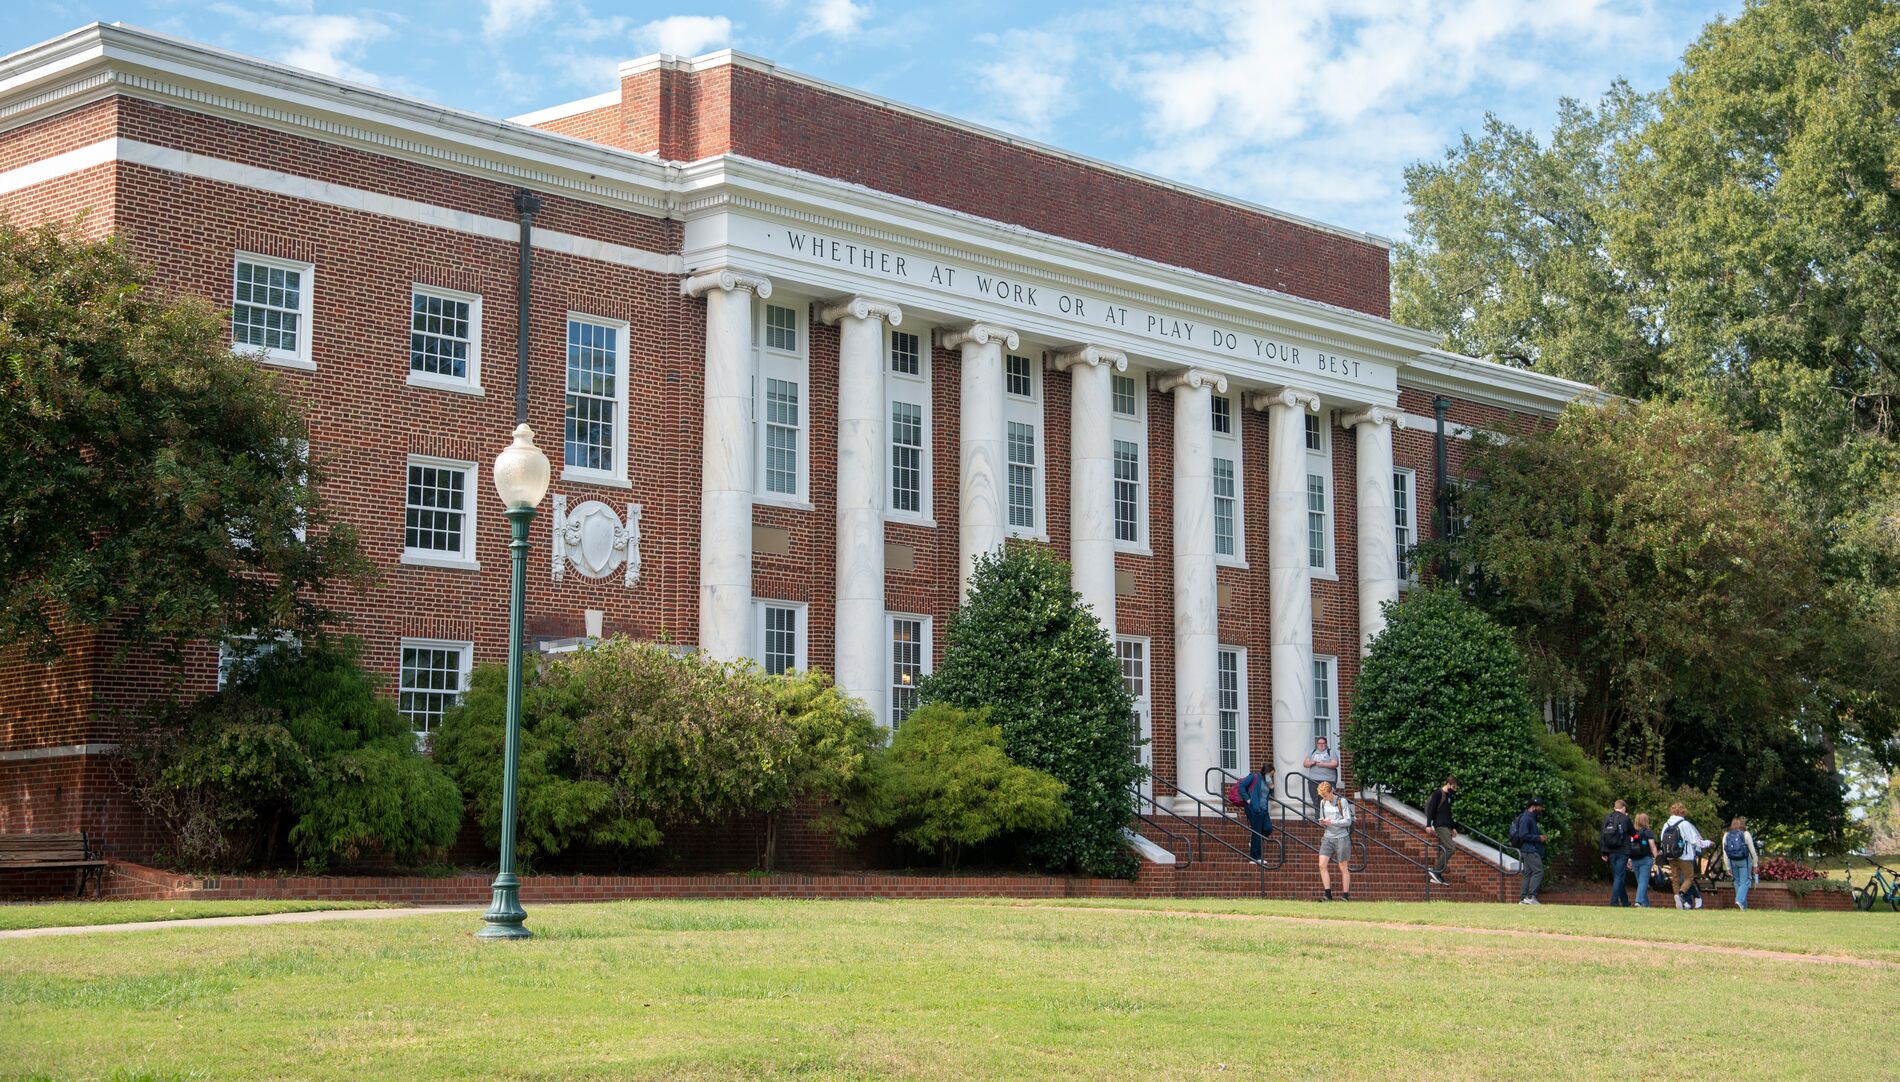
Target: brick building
798,354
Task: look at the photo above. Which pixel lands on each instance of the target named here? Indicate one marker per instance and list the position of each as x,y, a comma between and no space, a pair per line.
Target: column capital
981,334
1284,396
1076,356
728,279
1191,378
860,307
1376,415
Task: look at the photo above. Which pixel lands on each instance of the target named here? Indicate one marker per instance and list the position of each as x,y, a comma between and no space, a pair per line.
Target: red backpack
1234,797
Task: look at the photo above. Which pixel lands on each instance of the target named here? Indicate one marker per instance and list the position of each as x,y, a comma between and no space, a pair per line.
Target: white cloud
1027,78
329,44
504,16
836,18
685,35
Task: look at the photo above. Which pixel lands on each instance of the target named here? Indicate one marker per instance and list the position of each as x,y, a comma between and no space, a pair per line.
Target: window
1223,415
1315,434
1403,531
1127,491
270,309
1223,507
439,513
906,354
1019,375
243,651
781,636
1323,699
907,458
910,662
781,328
1316,547
1319,506
1560,715
1132,655
1022,475
596,398
434,675
445,339
1231,671
781,437
1123,390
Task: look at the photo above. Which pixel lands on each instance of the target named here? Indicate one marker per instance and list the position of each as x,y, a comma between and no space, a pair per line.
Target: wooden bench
39,852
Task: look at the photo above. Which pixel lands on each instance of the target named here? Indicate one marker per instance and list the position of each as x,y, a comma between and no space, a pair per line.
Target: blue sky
1311,106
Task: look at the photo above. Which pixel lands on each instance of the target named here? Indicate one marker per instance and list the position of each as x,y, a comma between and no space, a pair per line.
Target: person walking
1529,838
1335,843
1682,843
1321,766
1741,857
1642,857
1614,847
1256,796
1438,817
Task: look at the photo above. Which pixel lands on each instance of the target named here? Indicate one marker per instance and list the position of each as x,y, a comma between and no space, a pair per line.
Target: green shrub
1646,791
1023,646
1442,692
1594,788
946,784
835,740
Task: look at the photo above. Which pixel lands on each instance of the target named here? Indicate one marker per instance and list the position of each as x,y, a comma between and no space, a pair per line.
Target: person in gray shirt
1335,843
1322,765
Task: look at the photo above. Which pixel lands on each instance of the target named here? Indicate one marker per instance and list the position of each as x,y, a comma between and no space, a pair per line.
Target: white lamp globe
521,471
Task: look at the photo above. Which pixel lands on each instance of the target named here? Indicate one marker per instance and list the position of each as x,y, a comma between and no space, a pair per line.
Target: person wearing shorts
1335,843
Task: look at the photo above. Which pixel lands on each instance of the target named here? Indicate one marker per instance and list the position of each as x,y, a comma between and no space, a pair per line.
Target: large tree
150,479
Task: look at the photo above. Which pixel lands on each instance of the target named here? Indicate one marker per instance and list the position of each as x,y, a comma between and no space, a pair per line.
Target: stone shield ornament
593,539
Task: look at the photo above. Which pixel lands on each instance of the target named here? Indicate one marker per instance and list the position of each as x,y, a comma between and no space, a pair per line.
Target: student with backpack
1438,817
1614,847
1335,843
1682,843
1642,857
1529,838
1254,795
1741,858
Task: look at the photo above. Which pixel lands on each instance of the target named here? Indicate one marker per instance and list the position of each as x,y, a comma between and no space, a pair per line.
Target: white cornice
1495,384
572,108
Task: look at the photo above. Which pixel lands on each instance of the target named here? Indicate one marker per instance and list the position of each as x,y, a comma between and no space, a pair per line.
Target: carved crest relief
595,541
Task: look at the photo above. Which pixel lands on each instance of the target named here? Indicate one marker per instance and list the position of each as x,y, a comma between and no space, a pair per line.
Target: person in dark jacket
1614,847
1256,795
1438,817
1529,838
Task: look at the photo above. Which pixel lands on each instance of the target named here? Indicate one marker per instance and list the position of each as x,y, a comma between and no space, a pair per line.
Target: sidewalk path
254,918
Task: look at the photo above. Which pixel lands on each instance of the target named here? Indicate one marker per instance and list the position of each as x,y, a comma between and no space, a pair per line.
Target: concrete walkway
254,918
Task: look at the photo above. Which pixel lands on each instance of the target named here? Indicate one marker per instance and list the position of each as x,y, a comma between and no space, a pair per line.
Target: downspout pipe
527,205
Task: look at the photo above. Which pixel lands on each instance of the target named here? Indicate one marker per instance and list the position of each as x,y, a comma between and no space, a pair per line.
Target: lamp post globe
521,478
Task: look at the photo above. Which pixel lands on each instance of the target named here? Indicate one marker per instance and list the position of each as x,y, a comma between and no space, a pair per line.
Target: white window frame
471,490
616,477
1144,702
1132,430
1320,463
1227,445
770,363
1331,717
228,656
1027,410
301,357
1409,506
1241,746
914,391
466,665
472,383
925,661
801,628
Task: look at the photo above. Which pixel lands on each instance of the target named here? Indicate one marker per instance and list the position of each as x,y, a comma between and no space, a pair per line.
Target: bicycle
1882,886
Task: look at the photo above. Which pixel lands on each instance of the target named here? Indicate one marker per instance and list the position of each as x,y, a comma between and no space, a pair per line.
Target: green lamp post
521,477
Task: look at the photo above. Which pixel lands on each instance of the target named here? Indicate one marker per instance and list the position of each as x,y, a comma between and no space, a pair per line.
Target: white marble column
980,440
726,462
1379,570
1289,577
1196,591
858,633
1092,475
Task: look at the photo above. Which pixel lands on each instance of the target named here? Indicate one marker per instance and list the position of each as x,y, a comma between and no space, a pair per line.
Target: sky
1309,106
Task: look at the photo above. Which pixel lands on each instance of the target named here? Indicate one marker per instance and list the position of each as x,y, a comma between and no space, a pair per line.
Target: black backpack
1672,841
1616,834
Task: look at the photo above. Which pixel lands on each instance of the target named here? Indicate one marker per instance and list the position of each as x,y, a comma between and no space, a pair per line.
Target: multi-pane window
907,457
1017,373
270,308
910,649
1228,674
444,337
1316,520
241,653
1122,389
1323,698
1315,433
906,354
1127,491
438,510
781,327
596,396
1223,415
434,675
779,651
1132,654
1022,475
1402,530
781,437
1224,502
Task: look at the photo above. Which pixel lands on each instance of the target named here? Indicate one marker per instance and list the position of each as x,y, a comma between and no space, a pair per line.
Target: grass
76,914
953,990
1838,867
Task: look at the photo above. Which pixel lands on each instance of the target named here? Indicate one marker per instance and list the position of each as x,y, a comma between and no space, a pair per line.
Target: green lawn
74,914
952,990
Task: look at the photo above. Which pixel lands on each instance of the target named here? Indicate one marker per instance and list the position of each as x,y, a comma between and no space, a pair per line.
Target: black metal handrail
1309,806
1185,842
1267,841
1360,853
1504,876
